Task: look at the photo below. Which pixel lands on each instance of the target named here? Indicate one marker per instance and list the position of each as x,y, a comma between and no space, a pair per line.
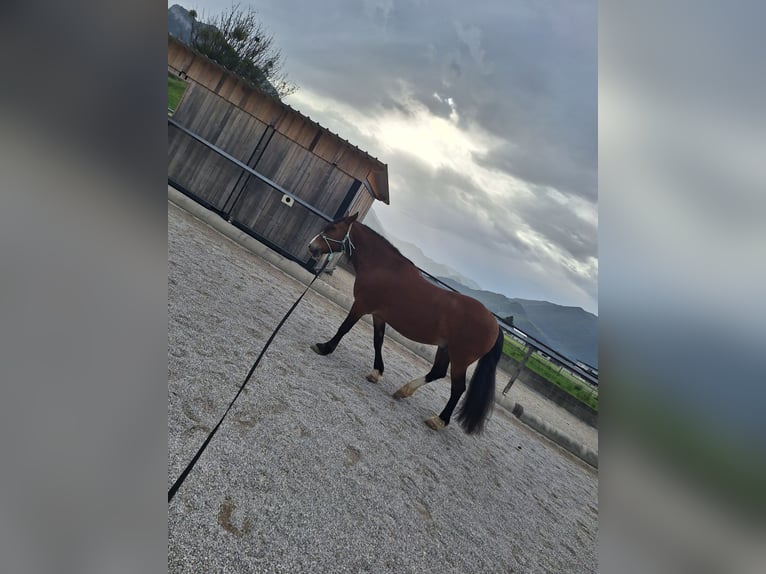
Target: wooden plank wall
193,165
303,174
285,119
362,203
277,141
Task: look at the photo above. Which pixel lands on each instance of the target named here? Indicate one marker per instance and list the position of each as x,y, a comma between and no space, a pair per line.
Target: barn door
260,208
195,168
221,184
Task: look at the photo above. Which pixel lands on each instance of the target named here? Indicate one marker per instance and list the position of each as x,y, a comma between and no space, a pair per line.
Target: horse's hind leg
438,371
458,387
379,328
353,316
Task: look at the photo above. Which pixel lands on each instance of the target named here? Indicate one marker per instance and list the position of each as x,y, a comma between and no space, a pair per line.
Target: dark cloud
554,221
455,203
526,74
438,189
545,164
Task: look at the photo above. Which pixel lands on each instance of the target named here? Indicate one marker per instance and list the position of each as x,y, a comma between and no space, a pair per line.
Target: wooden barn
258,162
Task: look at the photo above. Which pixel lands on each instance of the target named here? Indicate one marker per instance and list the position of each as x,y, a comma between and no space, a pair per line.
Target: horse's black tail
481,390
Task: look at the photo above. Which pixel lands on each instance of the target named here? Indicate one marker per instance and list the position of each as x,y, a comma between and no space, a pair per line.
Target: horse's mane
385,241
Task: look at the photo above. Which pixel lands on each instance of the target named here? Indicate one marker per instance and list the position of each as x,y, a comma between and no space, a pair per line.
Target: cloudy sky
486,114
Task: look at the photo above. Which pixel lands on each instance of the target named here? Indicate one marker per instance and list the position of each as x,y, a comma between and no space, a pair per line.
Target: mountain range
571,331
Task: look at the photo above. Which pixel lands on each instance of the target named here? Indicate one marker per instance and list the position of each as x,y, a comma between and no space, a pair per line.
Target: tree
193,16
238,41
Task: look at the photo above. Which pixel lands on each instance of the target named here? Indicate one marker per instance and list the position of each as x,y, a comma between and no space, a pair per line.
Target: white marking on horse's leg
435,422
408,389
374,376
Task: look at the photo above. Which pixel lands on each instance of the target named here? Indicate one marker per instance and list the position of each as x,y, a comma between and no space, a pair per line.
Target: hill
572,331
180,23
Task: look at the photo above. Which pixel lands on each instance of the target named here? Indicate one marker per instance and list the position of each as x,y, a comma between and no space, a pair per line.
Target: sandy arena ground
317,470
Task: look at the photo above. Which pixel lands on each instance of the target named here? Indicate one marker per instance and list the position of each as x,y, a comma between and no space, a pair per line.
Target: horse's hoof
400,394
374,376
436,423
320,349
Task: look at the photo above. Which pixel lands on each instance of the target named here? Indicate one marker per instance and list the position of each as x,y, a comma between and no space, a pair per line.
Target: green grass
513,349
576,389
176,88
563,380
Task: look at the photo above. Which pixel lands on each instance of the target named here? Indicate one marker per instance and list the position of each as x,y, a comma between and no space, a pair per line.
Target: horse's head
334,238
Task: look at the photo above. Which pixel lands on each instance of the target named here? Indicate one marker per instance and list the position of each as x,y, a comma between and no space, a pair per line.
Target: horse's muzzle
314,249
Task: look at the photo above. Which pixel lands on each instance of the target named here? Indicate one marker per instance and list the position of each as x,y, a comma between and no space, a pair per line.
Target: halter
343,242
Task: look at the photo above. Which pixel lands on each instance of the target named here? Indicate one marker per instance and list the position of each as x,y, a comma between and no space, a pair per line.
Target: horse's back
428,314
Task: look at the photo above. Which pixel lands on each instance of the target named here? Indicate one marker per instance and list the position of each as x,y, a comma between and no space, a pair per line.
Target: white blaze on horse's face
315,245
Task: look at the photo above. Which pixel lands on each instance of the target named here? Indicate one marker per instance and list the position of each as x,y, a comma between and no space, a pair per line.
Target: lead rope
182,477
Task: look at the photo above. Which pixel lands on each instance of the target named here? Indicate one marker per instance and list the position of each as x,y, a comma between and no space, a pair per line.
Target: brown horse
390,287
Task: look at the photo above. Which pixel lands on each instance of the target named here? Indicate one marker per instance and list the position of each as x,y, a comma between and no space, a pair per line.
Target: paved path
318,470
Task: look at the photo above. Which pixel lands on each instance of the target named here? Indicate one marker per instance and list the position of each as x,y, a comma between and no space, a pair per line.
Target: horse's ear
352,218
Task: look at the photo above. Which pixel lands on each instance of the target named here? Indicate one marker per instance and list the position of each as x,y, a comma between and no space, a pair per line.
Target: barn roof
377,178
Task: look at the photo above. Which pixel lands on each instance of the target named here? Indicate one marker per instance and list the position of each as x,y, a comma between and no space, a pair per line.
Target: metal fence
543,350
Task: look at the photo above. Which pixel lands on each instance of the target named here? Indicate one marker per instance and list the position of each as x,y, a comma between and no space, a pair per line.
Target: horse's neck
369,250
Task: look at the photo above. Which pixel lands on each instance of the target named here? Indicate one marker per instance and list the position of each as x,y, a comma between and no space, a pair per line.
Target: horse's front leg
353,316
379,331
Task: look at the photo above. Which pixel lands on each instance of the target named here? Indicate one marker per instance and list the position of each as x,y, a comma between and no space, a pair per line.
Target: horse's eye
331,228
